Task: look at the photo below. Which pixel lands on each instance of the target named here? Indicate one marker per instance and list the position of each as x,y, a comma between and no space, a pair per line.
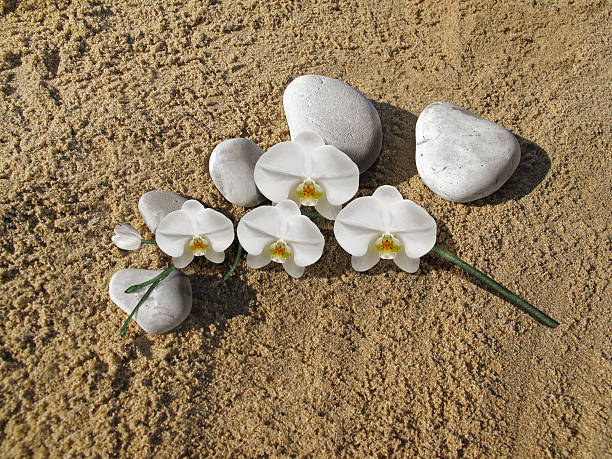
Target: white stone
156,204
460,156
166,308
339,113
231,167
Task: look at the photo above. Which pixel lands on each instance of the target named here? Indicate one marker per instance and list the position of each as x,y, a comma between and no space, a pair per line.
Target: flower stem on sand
161,276
148,241
492,284
154,282
233,268
496,287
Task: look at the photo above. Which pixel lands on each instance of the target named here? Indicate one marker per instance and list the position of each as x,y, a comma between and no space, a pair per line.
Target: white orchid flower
193,231
385,226
127,237
308,172
282,234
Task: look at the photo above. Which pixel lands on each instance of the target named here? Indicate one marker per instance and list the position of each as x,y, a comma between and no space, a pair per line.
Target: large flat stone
460,156
155,205
166,308
339,113
231,167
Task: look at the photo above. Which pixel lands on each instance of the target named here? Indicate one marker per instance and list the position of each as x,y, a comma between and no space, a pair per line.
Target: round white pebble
339,113
460,156
166,308
231,167
156,204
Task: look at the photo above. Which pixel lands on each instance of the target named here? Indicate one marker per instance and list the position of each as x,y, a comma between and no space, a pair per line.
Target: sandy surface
103,101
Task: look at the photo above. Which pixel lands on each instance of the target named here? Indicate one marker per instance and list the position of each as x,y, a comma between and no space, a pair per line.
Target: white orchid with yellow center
385,226
281,234
308,172
194,231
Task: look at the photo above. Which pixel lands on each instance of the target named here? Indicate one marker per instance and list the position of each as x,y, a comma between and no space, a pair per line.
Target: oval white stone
231,167
156,204
166,308
339,113
460,156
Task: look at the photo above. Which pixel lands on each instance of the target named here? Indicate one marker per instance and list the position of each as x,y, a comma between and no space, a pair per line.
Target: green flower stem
496,287
148,241
160,277
124,329
233,268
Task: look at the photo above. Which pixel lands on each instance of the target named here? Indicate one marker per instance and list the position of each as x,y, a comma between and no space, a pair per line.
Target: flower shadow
431,261
215,302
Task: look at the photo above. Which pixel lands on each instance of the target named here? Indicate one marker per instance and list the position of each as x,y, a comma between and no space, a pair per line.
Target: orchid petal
358,223
387,194
366,261
406,263
336,173
127,237
287,208
292,269
308,140
259,228
126,242
192,206
216,227
258,261
173,231
326,209
413,226
123,229
214,256
293,196
305,240
279,170
183,260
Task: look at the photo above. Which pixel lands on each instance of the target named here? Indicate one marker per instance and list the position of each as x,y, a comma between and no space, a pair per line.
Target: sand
101,102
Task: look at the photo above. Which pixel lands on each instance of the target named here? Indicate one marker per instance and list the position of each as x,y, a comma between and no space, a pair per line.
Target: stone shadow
531,171
396,162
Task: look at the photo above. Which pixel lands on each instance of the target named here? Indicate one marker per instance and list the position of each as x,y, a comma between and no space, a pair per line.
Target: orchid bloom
385,226
193,231
308,172
281,234
127,237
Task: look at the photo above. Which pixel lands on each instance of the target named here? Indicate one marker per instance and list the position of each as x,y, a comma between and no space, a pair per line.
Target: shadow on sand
396,163
531,171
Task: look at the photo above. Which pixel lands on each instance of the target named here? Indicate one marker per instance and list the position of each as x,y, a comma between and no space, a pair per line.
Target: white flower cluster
305,172
302,172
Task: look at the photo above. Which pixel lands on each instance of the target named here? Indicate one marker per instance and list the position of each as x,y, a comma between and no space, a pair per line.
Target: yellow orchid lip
279,251
309,192
198,245
387,246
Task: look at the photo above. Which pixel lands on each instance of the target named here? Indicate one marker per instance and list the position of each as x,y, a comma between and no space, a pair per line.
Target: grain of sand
103,101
